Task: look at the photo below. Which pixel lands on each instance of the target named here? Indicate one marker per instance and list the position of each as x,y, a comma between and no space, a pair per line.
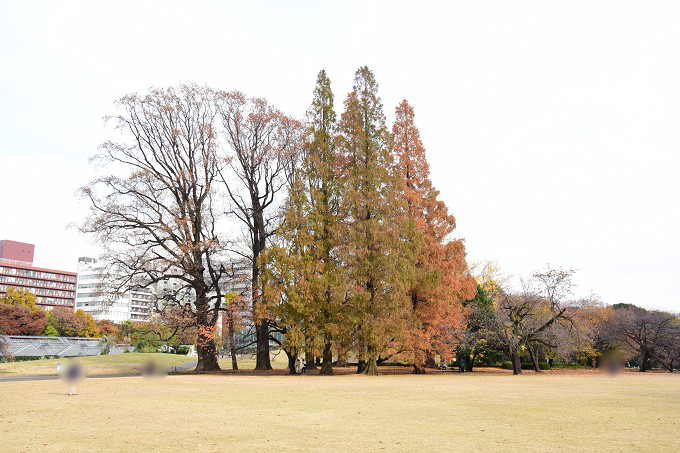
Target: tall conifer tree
305,271
441,280
376,251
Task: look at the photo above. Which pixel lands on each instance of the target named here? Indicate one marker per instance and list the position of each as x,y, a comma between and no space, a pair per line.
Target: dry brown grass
442,412
102,364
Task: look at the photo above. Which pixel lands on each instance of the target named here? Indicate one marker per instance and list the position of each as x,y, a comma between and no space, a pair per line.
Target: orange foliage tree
442,282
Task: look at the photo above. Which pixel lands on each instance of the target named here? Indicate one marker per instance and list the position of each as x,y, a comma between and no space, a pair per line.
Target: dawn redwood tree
21,320
441,281
263,142
304,271
378,241
154,213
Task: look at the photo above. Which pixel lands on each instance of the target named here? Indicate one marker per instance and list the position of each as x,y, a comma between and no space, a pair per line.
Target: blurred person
152,369
73,372
611,362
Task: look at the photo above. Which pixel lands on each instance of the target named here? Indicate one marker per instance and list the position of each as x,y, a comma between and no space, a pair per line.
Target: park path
49,377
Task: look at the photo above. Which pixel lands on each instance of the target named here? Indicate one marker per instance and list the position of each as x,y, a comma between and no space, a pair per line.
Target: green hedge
28,358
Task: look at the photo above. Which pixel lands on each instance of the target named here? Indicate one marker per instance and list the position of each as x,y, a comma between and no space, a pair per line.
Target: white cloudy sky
552,128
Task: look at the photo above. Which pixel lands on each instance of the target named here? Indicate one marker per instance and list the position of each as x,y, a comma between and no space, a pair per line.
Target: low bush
27,358
145,346
507,365
182,350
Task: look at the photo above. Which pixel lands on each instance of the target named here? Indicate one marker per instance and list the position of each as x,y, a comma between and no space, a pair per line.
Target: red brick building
52,288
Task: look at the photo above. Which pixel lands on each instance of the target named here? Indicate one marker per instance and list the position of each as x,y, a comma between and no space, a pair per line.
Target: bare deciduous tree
154,214
524,319
647,334
264,143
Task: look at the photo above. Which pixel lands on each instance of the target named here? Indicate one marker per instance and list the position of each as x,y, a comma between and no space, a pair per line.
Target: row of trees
347,243
20,315
542,323
362,262
346,238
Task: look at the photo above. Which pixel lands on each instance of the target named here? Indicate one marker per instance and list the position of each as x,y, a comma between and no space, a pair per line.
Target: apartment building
135,305
53,288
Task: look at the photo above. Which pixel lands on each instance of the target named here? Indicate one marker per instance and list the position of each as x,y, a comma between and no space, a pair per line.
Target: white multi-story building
135,305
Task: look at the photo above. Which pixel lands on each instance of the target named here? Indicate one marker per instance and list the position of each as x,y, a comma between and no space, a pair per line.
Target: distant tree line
540,325
20,315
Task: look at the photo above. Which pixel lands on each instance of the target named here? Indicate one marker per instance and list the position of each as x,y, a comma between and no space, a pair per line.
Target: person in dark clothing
461,365
73,374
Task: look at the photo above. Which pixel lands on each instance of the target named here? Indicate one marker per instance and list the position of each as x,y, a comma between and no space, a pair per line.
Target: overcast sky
552,129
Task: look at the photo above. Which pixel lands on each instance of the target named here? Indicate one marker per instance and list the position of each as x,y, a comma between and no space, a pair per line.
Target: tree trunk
645,362
470,362
309,358
207,357
263,361
516,361
429,360
207,351
534,358
232,342
361,367
371,364
327,366
419,369
291,361
418,365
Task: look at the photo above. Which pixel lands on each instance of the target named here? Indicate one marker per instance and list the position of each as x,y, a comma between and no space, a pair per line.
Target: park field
94,365
125,364
436,412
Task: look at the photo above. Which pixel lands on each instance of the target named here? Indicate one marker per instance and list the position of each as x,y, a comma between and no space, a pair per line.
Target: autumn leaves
363,266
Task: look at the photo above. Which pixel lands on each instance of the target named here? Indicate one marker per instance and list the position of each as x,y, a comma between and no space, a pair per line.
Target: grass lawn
438,412
247,362
102,364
